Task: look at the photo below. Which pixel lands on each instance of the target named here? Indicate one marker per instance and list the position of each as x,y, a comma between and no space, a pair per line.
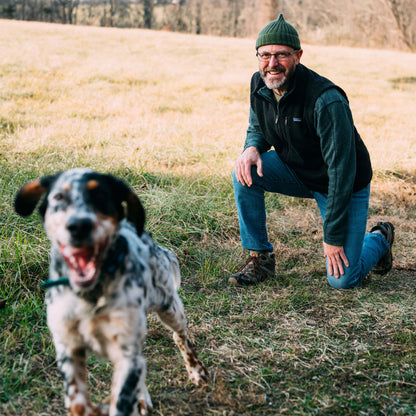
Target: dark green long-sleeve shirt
333,125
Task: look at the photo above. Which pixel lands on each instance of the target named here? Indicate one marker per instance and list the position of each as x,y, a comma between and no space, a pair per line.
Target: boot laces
256,266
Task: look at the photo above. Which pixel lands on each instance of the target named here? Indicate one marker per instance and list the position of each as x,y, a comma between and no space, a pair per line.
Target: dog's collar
50,283
114,258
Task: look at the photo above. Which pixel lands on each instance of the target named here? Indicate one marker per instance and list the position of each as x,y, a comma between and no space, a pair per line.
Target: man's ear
299,54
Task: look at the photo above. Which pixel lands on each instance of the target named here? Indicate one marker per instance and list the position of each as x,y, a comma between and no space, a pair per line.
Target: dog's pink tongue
82,259
82,267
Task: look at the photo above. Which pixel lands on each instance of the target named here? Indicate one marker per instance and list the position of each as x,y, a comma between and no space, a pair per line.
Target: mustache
279,69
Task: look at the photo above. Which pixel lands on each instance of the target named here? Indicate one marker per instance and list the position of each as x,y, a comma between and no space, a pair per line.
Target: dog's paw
81,410
145,407
102,410
199,375
145,402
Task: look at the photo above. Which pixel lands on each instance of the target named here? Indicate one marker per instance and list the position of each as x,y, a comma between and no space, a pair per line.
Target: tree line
374,23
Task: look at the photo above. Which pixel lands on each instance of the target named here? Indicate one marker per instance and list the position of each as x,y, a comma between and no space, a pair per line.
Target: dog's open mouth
84,263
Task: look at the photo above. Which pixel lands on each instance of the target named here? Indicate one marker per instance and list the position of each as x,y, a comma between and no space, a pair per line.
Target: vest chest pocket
296,129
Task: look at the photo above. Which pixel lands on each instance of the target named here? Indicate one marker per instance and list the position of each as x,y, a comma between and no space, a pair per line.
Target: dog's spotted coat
116,274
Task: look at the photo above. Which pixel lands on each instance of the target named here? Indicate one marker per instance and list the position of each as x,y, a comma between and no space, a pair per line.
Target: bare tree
177,15
268,11
64,10
148,13
404,13
198,18
372,23
235,8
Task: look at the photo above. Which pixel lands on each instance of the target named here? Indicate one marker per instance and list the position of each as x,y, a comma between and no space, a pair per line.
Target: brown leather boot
257,268
385,264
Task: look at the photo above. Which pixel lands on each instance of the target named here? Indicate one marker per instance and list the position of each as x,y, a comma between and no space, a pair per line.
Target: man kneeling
318,153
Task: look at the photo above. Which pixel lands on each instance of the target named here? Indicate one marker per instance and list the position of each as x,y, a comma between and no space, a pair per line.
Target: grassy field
168,113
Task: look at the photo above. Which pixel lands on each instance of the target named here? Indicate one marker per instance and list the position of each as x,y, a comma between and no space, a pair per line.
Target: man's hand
335,256
248,158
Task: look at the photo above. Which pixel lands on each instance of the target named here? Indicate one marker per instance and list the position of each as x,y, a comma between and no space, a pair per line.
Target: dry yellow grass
176,102
152,99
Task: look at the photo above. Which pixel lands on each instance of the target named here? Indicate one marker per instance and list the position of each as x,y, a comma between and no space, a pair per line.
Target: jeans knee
343,282
240,190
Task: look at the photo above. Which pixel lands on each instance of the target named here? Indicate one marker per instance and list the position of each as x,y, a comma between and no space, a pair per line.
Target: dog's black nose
79,228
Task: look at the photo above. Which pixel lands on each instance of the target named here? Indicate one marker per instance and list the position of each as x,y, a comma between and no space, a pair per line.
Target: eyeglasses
280,56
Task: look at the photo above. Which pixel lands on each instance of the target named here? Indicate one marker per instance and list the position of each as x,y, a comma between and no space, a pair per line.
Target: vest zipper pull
277,119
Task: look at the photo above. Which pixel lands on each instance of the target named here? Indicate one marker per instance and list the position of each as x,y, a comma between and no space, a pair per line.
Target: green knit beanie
278,32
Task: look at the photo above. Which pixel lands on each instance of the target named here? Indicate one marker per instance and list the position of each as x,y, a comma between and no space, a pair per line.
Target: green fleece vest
289,128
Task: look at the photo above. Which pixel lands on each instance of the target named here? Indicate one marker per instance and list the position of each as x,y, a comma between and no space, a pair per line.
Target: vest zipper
276,122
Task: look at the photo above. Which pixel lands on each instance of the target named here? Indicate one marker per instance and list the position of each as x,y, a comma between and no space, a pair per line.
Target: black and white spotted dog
106,272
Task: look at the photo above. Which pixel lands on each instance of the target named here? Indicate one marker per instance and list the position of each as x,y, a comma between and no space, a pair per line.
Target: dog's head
81,211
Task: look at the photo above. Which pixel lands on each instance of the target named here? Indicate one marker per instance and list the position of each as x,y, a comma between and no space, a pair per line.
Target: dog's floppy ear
134,209
30,194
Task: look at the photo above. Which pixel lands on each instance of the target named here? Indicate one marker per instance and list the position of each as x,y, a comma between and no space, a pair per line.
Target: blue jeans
363,250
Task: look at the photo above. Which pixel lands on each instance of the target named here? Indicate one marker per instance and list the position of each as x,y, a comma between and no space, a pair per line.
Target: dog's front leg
72,367
129,393
174,318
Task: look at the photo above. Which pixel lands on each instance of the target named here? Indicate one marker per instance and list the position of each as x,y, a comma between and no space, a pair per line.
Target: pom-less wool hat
278,32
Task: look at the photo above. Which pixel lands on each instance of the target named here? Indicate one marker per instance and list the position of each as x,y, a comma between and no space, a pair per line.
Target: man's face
277,71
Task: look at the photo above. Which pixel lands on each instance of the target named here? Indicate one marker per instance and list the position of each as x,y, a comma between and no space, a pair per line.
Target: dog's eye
59,196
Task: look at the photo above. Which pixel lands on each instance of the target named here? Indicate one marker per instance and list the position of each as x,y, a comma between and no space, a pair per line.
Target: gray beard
279,85
275,85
